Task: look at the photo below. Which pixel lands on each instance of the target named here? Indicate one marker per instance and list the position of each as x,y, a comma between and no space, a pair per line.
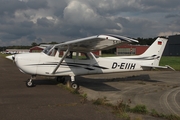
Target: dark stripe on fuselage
80,65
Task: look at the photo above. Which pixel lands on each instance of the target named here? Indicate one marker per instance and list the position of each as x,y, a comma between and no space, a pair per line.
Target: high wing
93,43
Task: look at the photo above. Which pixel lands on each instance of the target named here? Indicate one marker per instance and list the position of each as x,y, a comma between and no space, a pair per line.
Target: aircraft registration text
124,65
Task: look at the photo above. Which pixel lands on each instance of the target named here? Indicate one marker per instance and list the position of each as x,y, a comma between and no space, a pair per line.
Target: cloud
27,21
85,20
80,14
168,33
45,22
77,12
172,16
11,6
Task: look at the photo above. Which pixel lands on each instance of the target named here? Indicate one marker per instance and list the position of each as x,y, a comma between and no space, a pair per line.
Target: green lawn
3,55
174,62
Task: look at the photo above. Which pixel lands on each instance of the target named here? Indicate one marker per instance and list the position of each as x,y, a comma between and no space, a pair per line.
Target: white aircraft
75,57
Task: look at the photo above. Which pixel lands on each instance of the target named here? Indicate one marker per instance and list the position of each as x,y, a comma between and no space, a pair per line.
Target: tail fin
155,51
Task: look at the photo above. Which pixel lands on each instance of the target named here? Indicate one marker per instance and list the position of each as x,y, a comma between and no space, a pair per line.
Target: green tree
34,44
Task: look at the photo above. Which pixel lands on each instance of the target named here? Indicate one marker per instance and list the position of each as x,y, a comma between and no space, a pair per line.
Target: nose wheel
30,82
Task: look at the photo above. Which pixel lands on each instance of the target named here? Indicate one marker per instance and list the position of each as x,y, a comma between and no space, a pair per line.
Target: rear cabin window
75,55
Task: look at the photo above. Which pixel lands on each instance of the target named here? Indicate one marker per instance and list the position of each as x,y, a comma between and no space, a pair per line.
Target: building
36,49
16,51
128,49
173,46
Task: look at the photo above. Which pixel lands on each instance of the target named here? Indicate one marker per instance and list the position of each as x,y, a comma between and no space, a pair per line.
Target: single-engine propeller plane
75,57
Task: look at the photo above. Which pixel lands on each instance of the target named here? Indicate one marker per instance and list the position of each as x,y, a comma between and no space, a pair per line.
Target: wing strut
64,56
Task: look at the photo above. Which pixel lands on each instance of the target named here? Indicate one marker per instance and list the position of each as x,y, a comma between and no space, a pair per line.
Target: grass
172,61
108,55
3,55
100,101
161,115
122,110
141,109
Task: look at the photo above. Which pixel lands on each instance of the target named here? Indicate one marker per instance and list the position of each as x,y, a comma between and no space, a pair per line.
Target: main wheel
29,83
75,85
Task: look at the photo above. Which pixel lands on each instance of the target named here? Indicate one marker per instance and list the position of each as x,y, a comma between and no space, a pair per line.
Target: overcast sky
25,21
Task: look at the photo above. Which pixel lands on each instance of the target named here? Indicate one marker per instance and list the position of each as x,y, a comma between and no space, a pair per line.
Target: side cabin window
71,55
76,55
83,56
52,51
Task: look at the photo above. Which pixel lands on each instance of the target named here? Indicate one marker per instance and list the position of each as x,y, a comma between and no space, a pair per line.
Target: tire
74,86
29,83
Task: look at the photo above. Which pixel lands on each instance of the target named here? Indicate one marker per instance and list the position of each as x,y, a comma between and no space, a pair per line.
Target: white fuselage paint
42,64
45,64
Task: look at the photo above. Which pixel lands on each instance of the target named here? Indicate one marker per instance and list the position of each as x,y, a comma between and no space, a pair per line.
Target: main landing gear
73,84
30,82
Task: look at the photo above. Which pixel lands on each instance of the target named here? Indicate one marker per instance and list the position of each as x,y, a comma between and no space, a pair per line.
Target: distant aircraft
75,57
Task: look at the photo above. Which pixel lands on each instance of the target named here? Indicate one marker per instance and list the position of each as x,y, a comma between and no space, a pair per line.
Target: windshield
47,49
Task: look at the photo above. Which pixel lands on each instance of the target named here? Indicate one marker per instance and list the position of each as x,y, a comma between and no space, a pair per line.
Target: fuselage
75,58
54,61
43,64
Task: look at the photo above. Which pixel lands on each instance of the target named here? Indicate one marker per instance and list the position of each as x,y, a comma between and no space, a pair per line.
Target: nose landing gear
30,82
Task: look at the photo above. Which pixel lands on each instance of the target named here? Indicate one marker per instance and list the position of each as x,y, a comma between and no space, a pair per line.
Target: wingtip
124,38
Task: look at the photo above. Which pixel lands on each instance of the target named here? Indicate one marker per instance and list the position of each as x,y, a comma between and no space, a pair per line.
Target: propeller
11,57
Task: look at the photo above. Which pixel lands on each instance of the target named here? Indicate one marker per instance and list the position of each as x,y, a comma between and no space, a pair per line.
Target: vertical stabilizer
155,51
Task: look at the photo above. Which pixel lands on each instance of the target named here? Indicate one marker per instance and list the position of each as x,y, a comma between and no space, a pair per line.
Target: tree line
24,47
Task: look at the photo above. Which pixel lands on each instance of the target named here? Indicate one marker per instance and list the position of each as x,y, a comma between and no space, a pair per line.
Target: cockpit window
50,50
47,49
70,55
83,56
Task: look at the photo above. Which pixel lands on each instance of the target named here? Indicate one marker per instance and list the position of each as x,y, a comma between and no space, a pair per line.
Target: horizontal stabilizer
167,67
